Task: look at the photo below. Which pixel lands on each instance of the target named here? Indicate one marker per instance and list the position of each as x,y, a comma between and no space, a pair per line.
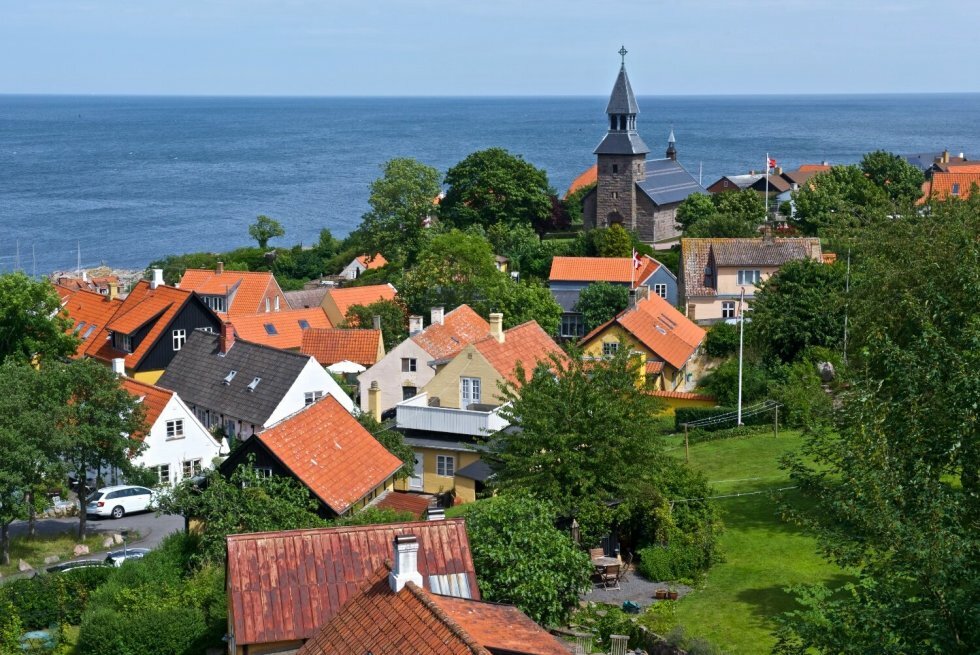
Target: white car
119,501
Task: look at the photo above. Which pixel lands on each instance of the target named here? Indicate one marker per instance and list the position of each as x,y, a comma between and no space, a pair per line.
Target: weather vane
622,53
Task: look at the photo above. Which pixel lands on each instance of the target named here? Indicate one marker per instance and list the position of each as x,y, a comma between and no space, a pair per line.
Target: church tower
621,157
671,146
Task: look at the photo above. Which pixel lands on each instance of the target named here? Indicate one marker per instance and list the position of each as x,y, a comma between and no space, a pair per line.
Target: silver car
119,501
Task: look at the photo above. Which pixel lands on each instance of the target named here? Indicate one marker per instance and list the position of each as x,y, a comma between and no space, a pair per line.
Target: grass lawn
733,606
33,551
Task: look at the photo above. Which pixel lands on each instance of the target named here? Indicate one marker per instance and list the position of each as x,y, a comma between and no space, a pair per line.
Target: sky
486,47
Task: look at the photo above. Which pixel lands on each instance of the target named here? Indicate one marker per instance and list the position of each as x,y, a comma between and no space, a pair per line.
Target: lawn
33,551
734,606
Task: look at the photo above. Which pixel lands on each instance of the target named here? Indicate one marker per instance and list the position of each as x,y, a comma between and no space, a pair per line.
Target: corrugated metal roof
668,182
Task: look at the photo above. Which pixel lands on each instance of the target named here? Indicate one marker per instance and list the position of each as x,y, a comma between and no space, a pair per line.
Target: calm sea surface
130,179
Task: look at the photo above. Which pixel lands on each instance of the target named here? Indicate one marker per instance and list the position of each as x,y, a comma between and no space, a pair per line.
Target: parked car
75,564
117,557
119,501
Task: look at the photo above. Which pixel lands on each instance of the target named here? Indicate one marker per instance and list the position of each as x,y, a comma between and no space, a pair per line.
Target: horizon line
504,96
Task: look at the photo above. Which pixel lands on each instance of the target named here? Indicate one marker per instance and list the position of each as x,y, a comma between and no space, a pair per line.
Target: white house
363,263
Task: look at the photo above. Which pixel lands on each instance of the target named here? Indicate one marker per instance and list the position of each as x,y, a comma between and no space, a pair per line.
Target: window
124,343
263,471
409,364
303,324
88,332
445,465
469,391
270,329
277,303
267,305
660,290
956,188
215,303
191,467
615,195
180,336
610,349
728,309
572,325
409,392
175,429
78,326
749,278
311,397
615,168
163,473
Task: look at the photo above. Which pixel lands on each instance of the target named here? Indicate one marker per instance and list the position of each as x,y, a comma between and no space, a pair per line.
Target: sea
124,180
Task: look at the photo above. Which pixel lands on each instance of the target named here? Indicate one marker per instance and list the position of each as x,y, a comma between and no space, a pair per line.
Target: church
641,195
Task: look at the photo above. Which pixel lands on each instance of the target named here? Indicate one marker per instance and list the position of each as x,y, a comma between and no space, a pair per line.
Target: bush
170,631
722,340
47,600
690,414
722,383
676,561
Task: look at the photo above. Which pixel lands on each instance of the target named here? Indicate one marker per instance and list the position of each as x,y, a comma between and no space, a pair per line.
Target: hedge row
52,599
690,414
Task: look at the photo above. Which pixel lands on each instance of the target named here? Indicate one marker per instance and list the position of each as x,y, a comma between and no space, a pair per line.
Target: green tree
573,204
394,320
265,228
32,325
528,254
696,207
453,268
521,302
600,302
745,204
492,186
802,305
522,559
400,201
612,241
841,198
722,226
722,383
895,175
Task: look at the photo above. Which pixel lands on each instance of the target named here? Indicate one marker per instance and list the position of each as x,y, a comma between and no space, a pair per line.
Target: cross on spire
622,53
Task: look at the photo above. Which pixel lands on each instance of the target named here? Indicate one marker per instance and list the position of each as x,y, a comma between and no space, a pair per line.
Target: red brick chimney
227,338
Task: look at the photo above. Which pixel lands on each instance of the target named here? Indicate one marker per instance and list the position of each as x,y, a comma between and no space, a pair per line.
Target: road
152,528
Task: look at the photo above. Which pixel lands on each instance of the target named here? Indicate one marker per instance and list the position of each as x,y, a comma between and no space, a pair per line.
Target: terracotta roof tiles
500,627
402,501
331,345
526,344
952,184
350,296
459,328
602,269
369,263
249,287
88,311
284,330
587,177
153,398
682,395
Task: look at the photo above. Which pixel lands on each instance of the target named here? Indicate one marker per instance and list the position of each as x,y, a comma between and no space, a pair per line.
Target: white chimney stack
157,280
119,367
376,322
406,568
438,314
414,325
497,326
437,514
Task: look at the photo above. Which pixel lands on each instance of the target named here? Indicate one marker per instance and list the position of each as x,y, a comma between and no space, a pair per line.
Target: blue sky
486,47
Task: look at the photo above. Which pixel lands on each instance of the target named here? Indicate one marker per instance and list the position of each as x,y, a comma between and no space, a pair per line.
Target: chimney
157,280
642,292
119,367
945,157
406,567
617,644
497,326
227,337
962,156
374,400
220,268
414,325
632,298
437,315
376,322
779,170
437,514
84,276
113,290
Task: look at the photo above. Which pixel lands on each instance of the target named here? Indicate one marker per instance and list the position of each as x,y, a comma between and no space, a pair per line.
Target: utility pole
847,301
775,423
741,347
687,450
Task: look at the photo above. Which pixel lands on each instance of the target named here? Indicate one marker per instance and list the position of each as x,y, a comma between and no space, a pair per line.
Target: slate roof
621,143
602,269
198,370
88,311
459,328
306,298
249,287
279,329
153,398
330,452
622,100
331,345
286,585
527,344
741,181
698,254
350,296
668,182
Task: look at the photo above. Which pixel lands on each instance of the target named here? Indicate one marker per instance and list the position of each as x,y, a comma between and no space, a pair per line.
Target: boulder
51,559
80,549
108,542
23,566
117,538
826,371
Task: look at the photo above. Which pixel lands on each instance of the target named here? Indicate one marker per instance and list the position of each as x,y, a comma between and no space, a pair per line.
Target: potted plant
660,594
672,593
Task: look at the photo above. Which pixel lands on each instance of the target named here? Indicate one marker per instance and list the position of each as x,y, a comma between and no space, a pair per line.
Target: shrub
722,383
47,600
722,340
676,561
170,631
691,414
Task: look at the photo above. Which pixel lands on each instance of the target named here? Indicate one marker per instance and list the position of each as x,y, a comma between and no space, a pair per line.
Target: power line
739,495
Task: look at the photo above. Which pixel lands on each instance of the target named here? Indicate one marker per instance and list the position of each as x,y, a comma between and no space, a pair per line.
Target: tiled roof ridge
245,536
296,413
454,627
280,351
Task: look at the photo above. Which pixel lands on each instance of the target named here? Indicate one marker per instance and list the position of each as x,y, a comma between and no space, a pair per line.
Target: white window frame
610,348
161,478
410,365
472,389
190,467
125,342
179,337
264,472
277,303
267,305
660,289
175,429
728,309
215,303
744,275
572,325
446,465
310,397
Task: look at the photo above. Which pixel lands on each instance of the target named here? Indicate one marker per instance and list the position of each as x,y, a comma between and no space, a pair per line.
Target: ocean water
128,179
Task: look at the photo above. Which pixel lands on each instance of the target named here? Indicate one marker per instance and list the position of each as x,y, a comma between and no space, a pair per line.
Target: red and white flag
637,261
772,163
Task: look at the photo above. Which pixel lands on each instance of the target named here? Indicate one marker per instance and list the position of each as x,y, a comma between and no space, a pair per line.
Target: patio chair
611,577
596,552
627,565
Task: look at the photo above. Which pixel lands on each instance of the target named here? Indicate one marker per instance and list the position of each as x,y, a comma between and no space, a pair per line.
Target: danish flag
637,261
772,163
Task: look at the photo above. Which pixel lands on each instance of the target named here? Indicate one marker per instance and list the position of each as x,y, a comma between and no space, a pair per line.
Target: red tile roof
331,345
602,269
813,168
285,585
153,398
499,627
88,311
402,501
941,186
459,328
350,296
652,368
288,332
585,178
682,395
526,343
372,262
250,287
330,452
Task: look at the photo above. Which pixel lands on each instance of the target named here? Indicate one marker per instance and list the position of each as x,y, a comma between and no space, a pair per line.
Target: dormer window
254,383
216,303
231,376
123,342
956,188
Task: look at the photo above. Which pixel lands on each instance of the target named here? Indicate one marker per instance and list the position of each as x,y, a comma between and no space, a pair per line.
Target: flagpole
741,341
767,191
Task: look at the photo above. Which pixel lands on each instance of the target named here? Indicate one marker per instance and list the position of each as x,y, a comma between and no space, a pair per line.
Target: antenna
17,259
78,266
34,261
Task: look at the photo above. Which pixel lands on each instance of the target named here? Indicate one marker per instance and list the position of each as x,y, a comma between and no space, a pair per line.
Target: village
495,421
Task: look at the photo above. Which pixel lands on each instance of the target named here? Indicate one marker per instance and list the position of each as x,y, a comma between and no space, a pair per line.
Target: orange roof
602,269
459,328
330,452
88,311
813,168
499,627
587,177
829,257
141,306
652,368
526,344
153,398
943,184
279,329
402,501
660,327
331,345
350,296
372,262
963,167
681,395
246,288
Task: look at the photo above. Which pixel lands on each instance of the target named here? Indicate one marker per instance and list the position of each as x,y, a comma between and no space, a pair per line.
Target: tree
573,203
265,228
745,204
722,226
521,302
492,186
895,175
841,198
528,254
400,201
394,320
696,207
600,302
452,269
612,241
723,215
32,325
522,559
94,422
801,305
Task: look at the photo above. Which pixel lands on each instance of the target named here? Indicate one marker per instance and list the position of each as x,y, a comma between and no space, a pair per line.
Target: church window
615,168
622,122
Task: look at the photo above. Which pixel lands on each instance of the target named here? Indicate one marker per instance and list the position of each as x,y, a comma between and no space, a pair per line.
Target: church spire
622,137
671,146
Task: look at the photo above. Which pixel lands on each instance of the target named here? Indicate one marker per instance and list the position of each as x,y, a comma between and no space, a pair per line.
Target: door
415,483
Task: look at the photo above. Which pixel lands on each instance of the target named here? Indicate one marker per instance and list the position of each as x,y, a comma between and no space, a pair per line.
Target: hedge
684,415
50,599
676,561
170,631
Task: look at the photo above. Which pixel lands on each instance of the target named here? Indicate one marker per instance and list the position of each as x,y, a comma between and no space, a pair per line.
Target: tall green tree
394,320
32,326
452,269
696,207
895,175
400,201
521,302
265,228
573,204
722,215
612,241
841,198
600,302
492,186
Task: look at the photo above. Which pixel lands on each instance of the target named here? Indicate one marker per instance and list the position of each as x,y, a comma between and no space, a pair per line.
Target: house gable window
263,471
215,303
179,337
311,397
409,392
660,289
163,473
123,342
445,465
175,429
728,309
610,348
409,364
469,392
748,278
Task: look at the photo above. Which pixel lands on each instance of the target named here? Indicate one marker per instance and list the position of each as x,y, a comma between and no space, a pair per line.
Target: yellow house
663,339
674,400
461,404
